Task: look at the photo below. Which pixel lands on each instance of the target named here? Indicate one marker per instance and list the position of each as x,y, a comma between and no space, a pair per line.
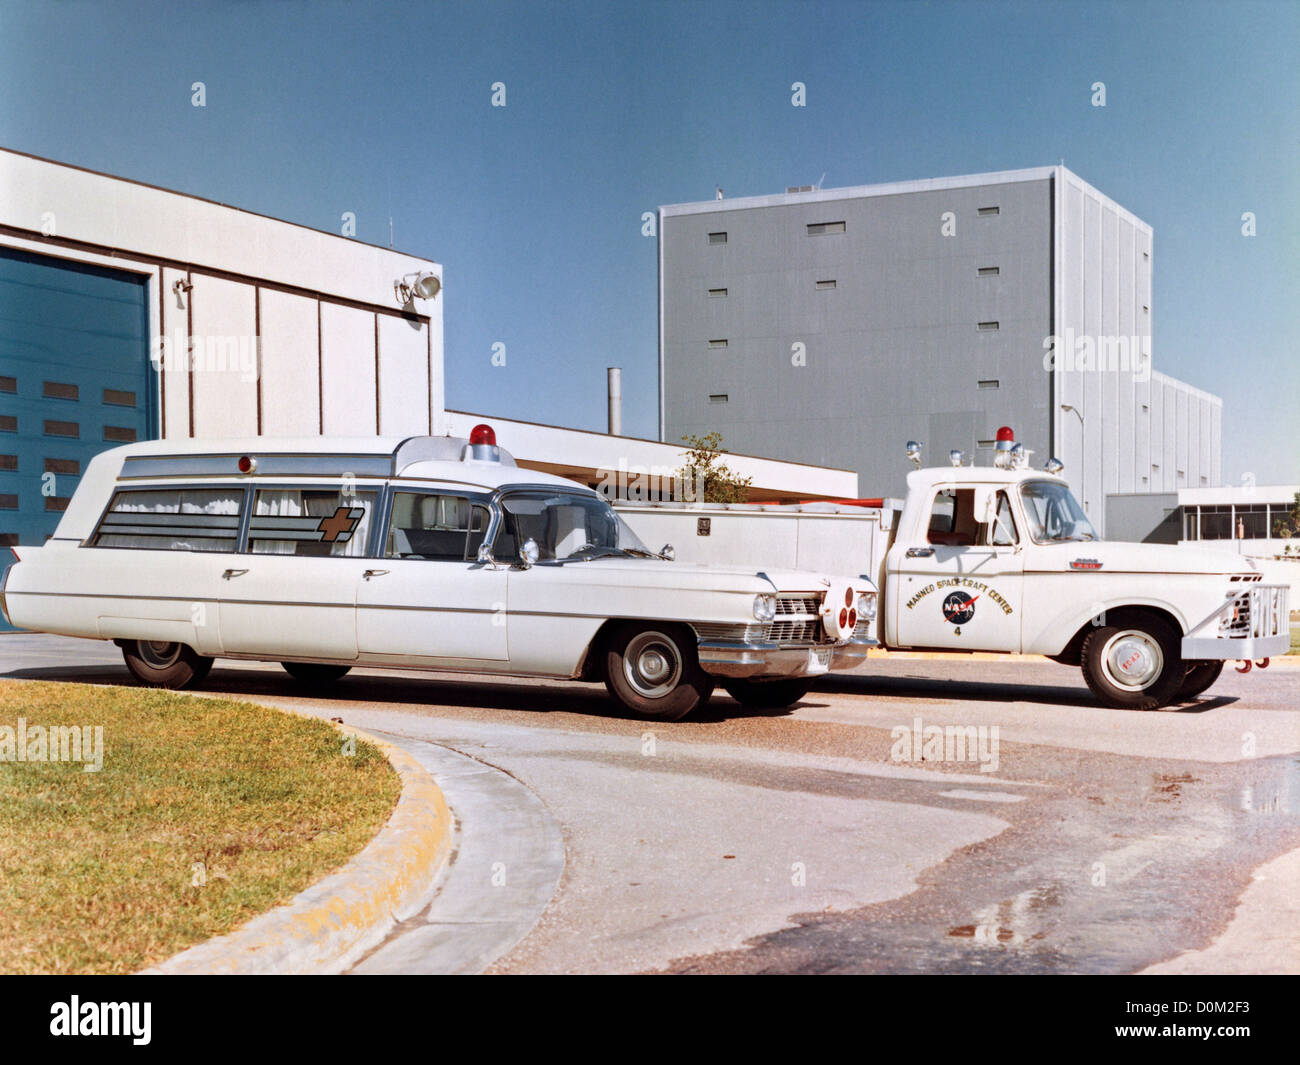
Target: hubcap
652,665
1133,660
159,653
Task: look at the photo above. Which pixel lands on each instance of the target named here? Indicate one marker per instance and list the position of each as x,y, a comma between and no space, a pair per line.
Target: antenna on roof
821,180
390,232
718,192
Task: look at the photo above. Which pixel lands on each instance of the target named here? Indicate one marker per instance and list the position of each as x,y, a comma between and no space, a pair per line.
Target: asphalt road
1076,839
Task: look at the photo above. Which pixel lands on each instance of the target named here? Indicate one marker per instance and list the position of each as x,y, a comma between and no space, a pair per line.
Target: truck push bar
1254,623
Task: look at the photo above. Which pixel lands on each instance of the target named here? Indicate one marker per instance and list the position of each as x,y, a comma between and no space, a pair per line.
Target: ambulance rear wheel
1134,666
767,694
1199,677
160,664
655,671
315,672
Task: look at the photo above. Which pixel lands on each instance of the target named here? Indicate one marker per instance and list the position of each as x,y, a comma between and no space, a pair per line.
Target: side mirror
668,553
529,553
484,556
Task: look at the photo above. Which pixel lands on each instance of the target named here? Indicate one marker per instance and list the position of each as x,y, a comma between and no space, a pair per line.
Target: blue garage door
75,378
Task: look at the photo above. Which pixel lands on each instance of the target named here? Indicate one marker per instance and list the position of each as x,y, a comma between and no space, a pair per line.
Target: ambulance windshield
1054,514
566,528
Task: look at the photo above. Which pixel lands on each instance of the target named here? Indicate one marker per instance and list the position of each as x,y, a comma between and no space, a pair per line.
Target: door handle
373,573
920,552
233,573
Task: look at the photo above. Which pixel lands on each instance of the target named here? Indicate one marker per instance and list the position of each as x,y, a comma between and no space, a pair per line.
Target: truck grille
1257,613
798,619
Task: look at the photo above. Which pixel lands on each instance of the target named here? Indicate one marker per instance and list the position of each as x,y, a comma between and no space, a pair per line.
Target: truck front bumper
1254,623
727,659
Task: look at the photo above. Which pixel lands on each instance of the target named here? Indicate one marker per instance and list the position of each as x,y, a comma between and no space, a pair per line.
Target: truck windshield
1054,514
566,527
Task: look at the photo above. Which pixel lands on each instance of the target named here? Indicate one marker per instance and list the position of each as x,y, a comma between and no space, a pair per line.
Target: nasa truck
1003,558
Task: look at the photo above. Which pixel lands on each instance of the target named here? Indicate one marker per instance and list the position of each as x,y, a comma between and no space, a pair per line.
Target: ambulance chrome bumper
1255,623
727,659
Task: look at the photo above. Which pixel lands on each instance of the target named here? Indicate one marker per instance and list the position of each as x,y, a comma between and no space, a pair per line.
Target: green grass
205,814
1295,642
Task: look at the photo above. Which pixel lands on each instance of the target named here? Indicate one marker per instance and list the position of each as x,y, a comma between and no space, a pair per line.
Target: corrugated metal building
833,325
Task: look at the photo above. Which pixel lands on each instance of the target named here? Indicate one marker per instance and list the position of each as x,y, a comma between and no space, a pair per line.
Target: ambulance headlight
764,607
867,606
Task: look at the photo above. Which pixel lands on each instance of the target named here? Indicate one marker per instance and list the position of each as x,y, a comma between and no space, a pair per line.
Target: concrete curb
333,923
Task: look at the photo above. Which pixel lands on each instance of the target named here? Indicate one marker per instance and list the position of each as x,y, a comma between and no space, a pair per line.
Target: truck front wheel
654,671
1134,666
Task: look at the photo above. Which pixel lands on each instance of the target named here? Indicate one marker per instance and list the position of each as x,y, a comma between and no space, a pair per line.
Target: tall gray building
830,326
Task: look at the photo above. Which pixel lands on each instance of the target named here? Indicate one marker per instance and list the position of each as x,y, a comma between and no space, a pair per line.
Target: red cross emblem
338,523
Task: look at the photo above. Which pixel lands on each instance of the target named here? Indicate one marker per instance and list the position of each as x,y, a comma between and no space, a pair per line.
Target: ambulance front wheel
160,664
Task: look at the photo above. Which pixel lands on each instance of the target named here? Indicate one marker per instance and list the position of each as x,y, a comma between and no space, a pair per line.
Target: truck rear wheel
1199,677
768,694
1134,666
654,671
160,664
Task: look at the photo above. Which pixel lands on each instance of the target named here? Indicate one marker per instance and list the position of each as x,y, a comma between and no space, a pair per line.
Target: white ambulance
424,553
1003,558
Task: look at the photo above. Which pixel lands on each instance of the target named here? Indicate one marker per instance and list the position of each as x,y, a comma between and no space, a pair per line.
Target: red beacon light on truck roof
483,434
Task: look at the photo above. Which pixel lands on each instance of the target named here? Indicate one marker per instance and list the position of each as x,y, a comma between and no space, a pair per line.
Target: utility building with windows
831,326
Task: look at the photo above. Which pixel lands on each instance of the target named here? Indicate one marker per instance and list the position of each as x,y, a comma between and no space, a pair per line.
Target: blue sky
615,108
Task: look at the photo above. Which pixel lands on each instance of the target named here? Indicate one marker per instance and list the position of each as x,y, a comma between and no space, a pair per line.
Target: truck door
961,588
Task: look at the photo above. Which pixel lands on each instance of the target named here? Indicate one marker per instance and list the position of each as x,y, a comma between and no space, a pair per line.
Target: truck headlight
867,606
764,607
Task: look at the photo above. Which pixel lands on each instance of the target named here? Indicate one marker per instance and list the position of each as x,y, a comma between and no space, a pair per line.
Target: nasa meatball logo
958,608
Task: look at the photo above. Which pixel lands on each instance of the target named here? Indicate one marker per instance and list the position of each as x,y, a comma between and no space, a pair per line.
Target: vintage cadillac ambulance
424,553
1003,558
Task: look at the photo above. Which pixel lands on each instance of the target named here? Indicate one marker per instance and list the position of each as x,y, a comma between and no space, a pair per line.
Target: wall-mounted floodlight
422,285
182,285
1072,410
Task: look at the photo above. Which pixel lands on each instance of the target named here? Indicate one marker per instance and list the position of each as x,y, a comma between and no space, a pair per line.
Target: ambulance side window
320,523
1004,524
952,518
442,528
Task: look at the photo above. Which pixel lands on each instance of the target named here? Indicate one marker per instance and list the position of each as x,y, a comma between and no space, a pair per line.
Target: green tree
705,475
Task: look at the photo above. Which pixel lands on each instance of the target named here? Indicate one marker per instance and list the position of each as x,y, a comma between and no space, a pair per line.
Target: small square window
119,398
986,211
988,327
8,462
71,466
718,397
823,286
8,384
715,344
820,229
990,382
8,502
989,271
119,434
54,428
985,443
717,238
717,293
8,423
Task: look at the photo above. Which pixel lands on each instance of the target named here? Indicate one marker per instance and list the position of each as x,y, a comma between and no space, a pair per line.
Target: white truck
1003,558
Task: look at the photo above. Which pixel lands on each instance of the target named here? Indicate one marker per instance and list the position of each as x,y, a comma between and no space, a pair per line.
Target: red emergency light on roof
483,434
1006,436
246,464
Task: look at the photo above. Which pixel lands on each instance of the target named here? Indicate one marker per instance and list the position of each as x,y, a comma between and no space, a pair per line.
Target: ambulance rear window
172,519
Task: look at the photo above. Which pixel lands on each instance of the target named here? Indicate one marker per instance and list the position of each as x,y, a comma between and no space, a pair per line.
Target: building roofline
1183,386
214,203
853,192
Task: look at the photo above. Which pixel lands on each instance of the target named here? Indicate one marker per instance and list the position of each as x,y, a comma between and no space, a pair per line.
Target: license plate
819,659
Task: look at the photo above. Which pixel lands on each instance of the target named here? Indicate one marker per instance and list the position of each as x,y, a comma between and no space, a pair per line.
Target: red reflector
1006,433
853,619
483,434
844,619
848,596
246,464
